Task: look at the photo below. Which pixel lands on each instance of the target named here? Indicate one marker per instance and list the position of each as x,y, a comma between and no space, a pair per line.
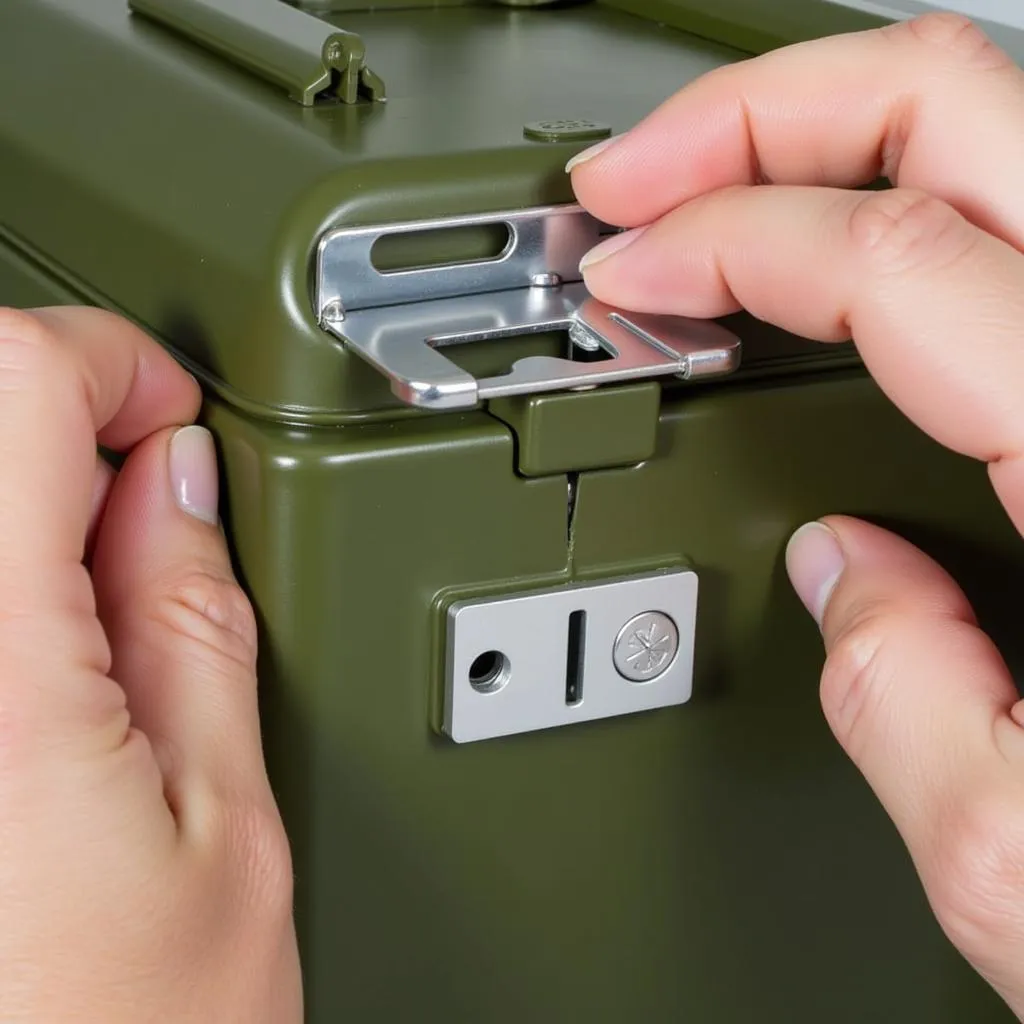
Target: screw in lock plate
645,647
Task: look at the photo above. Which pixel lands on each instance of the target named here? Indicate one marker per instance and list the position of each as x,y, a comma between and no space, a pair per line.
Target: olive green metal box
539,705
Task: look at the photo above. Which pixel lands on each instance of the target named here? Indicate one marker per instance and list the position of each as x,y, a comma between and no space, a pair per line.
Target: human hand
738,193
144,873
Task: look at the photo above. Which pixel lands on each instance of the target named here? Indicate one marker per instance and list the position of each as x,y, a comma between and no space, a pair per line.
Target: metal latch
401,320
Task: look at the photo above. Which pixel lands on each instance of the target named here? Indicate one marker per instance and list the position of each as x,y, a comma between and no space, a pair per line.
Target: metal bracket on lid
400,321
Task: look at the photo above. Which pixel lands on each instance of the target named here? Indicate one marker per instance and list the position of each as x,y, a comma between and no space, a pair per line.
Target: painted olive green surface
715,863
291,49
759,25
569,432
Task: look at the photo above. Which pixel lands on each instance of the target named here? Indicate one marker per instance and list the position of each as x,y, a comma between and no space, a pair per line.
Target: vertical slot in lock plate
569,654
401,320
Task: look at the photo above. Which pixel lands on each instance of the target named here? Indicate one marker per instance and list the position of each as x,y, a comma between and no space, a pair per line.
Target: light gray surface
1004,12
1008,13
1003,20
530,632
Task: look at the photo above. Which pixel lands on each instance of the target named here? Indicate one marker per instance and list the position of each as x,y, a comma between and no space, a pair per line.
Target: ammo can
539,706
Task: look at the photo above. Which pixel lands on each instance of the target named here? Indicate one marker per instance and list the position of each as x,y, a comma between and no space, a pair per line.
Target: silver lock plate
569,654
401,321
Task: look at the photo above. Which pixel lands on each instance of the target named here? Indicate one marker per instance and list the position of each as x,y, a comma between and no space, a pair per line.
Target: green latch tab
297,51
576,431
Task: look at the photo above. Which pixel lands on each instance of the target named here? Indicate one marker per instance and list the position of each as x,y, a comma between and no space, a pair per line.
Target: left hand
145,874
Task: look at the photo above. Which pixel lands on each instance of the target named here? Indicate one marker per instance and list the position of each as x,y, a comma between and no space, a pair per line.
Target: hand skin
144,872
738,191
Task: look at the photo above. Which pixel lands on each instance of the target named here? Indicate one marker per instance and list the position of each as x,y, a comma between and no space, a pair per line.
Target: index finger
934,304
931,104
70,377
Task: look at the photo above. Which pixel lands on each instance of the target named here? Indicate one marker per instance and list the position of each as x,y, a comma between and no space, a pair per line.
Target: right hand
929,280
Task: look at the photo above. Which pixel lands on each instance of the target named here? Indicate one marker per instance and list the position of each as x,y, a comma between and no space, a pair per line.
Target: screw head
333,311
645,647
546,280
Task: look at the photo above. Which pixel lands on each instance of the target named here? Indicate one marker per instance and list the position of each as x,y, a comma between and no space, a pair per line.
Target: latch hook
400,321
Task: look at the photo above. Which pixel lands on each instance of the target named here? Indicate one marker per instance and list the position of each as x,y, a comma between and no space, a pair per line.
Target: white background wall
992,12
1009,12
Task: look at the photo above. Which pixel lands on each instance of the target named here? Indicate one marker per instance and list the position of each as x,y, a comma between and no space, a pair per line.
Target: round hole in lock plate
489,672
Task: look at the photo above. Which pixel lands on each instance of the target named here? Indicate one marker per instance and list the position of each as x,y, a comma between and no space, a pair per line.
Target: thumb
924,705
182,633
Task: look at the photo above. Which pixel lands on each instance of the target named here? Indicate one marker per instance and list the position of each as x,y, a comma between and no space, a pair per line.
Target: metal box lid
223,172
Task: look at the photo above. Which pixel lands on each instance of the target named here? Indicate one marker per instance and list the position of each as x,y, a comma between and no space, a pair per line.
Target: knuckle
31,354
20,323
856,679
956,37
976,877
260,857
214,612
728,195
25,341
902,230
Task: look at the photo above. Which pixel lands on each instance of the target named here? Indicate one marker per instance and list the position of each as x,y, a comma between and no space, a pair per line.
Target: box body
714,862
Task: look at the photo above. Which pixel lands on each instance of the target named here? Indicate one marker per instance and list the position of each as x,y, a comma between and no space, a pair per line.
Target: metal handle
302,54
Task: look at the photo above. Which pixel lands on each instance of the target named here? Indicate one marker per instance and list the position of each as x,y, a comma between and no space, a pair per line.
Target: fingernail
589,153
610,246
814,561
193,467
